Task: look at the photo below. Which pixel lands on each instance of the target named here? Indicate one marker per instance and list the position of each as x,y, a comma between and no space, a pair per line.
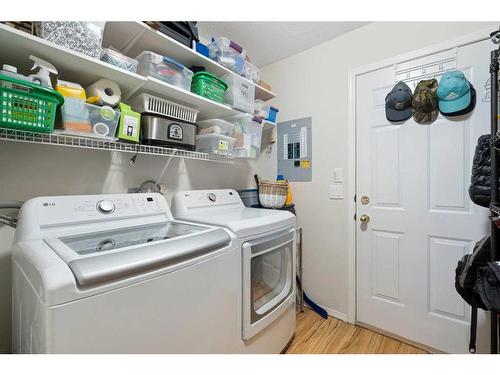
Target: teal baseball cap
454,93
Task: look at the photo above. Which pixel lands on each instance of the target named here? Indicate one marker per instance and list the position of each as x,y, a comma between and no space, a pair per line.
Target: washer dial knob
106,207
212,197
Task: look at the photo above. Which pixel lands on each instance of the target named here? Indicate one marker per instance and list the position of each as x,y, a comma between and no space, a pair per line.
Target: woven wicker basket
272,194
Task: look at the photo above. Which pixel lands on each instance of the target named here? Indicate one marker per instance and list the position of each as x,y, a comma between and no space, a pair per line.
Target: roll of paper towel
107,90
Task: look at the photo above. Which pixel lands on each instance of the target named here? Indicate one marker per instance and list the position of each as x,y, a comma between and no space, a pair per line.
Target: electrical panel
295,149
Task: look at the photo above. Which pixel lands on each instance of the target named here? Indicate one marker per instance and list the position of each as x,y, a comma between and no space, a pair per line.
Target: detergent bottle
11,71
289,197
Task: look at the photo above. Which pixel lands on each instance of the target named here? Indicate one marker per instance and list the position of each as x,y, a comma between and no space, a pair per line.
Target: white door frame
351,121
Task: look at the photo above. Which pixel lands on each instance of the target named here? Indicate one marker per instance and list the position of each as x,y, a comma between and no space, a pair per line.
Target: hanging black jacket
480,184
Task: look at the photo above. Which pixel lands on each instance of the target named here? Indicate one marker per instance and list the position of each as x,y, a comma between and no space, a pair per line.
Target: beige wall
315,83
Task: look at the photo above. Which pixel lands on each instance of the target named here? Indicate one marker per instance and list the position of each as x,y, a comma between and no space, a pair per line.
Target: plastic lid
167,59
209,75
280,177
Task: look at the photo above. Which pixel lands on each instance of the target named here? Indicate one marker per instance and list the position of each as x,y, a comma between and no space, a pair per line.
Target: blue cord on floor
319,310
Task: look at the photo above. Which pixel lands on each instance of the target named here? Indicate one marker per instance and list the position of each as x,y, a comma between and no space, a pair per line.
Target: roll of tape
107,113
107,90
101,129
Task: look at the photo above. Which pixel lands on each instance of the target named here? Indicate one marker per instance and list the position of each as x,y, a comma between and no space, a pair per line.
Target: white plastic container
11,71
240,93
146,103
260,109
248,134
88,120
119,60
165,69
215,144
251,72
228,53
215,126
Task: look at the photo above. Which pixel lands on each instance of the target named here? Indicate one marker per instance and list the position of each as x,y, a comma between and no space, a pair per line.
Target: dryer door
268,280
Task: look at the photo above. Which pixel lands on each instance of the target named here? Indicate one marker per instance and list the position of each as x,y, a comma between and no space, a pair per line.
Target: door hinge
354,217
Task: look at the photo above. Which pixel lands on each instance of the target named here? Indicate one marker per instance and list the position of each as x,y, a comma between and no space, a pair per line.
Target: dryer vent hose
11,204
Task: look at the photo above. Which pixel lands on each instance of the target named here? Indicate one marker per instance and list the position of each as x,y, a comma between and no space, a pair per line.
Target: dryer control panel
190,200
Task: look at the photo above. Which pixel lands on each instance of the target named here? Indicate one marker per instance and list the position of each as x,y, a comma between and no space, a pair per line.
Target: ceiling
268,42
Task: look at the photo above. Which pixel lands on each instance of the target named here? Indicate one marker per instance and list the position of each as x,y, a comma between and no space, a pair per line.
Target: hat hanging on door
469,108
455,94
398,103
425,102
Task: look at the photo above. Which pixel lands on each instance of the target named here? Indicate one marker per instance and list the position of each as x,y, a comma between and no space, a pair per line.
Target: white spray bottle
45,69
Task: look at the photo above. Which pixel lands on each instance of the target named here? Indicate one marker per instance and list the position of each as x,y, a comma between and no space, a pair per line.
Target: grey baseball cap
398,103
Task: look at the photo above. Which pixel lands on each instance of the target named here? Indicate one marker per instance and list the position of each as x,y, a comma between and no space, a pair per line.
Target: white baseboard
333,313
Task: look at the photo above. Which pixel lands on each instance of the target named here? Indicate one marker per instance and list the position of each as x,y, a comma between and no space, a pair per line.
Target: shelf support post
494,67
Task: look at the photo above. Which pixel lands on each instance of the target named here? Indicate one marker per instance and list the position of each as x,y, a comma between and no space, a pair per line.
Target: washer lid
100,257
243,221
90,243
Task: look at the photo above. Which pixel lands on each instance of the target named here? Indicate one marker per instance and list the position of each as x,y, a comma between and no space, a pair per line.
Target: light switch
338,175
336,191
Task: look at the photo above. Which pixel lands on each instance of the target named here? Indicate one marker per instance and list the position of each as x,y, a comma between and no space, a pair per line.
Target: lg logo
49,204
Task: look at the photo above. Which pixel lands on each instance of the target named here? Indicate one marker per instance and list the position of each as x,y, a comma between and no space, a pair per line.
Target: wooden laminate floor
315,335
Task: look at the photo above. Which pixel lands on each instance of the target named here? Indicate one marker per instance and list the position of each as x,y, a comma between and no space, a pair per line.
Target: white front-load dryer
116,274
266,240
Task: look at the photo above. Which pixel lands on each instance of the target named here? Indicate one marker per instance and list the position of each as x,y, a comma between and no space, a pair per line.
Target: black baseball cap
398,103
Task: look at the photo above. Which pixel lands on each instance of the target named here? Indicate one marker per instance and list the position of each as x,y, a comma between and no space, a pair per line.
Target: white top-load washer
117,274
266,239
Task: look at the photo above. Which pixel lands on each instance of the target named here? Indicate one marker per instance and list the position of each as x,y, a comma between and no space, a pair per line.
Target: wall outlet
338,175
337,191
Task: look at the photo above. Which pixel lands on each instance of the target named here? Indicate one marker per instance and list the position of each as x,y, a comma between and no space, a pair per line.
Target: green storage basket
27,106
209,86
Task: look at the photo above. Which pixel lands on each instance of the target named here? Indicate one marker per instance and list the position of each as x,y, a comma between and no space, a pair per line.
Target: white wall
315,83
29,170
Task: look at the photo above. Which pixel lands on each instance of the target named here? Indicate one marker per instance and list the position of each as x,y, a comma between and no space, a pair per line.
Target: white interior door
421,218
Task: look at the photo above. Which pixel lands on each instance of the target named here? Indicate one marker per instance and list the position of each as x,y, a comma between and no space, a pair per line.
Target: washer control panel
72,209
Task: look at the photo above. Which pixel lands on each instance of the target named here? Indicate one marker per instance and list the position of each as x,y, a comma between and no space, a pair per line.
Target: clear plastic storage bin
88,120
260,109
215,126
165,69
251,72
228,53
119,60
215,144
248,134
240,93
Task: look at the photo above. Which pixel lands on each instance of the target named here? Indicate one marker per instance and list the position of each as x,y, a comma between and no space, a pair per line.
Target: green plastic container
209,86
27,106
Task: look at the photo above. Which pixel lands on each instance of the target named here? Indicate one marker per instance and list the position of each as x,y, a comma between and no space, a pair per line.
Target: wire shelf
97,144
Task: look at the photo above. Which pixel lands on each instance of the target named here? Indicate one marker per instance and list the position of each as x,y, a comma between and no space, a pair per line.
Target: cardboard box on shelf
265,85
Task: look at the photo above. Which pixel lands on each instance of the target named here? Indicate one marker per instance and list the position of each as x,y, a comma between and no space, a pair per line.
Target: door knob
364,219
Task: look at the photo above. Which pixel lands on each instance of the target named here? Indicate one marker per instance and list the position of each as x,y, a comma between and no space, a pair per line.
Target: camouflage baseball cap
425,102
